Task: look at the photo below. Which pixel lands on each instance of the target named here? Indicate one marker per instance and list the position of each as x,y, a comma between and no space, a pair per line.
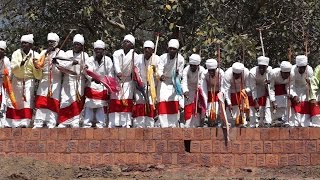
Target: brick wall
202,146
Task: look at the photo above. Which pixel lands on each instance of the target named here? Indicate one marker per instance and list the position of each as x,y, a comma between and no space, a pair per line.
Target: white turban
99,44
237,67
194,59
3,45
148,44
53,37
78,38
27,38
262,60
129,38
211,64
301,60
285,66
174,43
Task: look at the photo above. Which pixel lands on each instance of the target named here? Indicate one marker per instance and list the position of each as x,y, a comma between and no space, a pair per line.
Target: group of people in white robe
173,93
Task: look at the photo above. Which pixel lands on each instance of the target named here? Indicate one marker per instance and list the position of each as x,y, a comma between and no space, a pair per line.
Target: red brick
174,158
42,147
53,157
318,146
156,134
261,160
227,160
108,158
98,133
131,133
132,158
105,146
78,133
60,146
53,134
89,133
11,155
236,147
147,133
18,155
156,158
314,133
2,146
251,160
122,133
3,155
311,146
240,160
139,146
252,134
149,146
120,158
175,146
94,146
83,146
20,146
65,159
32,155
315,159
106,133
246,147
25,133
161,146
267,147
197,133
188,133
272,160
115,146
44,134
166,158
195,146
241,133
194,158
64,133
216,146
283,133
166,134
257,147
35,134
277,146
183,159
139,133
72,146
5,133
122,145
177,133
10,146
304,133
288,146
220,134
96,159
205,160
226,147
51,146
16,133
304,159
216,159
113,133
270,134
31,146
293,133
145,158
293,159
206,146
75,159
299,147
130,145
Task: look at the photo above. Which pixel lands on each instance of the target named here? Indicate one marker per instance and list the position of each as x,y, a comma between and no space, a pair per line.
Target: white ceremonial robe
4,63
168,106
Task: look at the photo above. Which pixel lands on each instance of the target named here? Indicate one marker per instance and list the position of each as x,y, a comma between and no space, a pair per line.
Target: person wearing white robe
48,95
259,76
281,91
24,74
97,95
213,77
192,80
141,117
121,103
4,64
72,92
235,80
302,76
168,106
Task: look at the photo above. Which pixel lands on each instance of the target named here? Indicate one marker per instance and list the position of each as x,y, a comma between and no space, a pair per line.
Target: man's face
51,44
26,46
193,68
77,47
302,69
172,52
127,45
148,52
99,52
285,75
236,75
212,72
262,69
2,52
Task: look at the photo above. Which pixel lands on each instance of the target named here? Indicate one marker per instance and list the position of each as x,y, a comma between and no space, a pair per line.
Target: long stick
288,101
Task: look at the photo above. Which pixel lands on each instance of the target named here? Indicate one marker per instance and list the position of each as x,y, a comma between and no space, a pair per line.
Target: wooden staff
289,91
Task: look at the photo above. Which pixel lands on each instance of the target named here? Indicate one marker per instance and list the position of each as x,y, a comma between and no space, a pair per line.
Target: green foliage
232,24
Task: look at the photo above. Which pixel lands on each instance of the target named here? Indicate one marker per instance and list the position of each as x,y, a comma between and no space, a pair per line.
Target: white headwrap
211,64
99,44
53,37
301,60
262,60
148,44
129,38
27,38
194,59
3,45
285,66
78,38
237,67
173,43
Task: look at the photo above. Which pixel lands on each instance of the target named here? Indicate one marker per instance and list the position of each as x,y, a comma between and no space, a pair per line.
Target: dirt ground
25,169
